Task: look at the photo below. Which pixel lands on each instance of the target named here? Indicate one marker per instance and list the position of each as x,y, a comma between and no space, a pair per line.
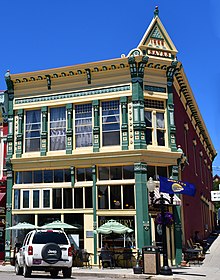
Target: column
170,106
96,128
137,74
44,133
177,222
10,151
69,132
19,140
94,195
124,125
142,215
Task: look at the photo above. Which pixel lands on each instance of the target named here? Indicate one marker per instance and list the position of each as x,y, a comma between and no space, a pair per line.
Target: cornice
190,103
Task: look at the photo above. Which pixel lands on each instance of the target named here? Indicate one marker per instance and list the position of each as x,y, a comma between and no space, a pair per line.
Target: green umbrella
23,225
58,225
113,226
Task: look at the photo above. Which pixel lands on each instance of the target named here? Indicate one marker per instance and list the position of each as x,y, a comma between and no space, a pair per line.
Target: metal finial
156,11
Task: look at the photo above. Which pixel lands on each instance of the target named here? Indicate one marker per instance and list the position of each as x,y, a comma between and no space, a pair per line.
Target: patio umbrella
58,225
113,226
23,225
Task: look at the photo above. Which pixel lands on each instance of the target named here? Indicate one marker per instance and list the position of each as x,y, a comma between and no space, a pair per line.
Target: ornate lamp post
165,270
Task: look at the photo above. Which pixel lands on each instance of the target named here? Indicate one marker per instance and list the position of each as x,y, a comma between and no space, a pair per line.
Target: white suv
45,250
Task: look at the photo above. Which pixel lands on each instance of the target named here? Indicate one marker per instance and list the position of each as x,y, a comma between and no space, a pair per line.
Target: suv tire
51,253
18,269
54,273
67,272
27,271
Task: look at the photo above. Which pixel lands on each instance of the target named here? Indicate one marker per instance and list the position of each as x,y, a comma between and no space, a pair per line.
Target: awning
176,199
2,196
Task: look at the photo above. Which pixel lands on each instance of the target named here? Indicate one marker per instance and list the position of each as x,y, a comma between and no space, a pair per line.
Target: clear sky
42,34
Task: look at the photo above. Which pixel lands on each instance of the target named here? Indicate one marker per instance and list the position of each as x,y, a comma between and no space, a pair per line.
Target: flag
172,186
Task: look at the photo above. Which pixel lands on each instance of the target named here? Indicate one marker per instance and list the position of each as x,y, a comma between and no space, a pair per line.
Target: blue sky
41,34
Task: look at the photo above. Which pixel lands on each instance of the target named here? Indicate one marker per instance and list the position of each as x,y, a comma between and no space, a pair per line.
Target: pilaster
142,213
94,195
44,132
124,125
137,74
69,132
170,106
19,140
96,128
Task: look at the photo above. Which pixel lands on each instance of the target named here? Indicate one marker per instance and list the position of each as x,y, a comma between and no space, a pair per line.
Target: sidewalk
210,269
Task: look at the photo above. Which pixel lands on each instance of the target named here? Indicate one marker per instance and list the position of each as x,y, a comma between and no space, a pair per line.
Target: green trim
124,125
69,132
96,128
44,133
19,137
94,178
72,94
155,89
142,214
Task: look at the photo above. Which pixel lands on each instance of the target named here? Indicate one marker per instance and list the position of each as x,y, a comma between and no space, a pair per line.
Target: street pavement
209,269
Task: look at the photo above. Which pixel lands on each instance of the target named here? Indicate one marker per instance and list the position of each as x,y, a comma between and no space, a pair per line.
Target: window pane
128,172
36,196
67,198
58,175
88,174
88,197
25,199
115,172
162,171
67,175
57,199
48,176
103,173
103,197
160,138
78,197
128,197
80,174
32,130
148,121
115,197
38,176
18,178
46,198
57,128
27,177
110,123
83,125
151,172
16,199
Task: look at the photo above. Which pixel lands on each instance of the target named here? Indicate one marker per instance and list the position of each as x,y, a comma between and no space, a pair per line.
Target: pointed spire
156,12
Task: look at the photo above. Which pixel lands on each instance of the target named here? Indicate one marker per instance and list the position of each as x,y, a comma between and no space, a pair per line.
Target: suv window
50,237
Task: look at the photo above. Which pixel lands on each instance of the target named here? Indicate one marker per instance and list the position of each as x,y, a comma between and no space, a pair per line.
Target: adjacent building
83,141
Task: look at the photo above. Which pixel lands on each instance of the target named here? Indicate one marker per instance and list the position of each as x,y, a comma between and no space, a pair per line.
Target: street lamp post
165,269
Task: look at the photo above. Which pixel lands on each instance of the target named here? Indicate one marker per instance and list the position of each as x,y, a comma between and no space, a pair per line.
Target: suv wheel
67,272
51,253
18,269
27,271
54,273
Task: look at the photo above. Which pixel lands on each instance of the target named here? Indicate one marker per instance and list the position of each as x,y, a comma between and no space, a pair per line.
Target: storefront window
115,197
25,199
36,198
128,172
128,197
67,198
78,197
103,197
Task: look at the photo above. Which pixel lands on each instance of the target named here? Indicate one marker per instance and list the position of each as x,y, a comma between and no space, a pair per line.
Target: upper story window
155,122
32,131
57,128
83,125
110,123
